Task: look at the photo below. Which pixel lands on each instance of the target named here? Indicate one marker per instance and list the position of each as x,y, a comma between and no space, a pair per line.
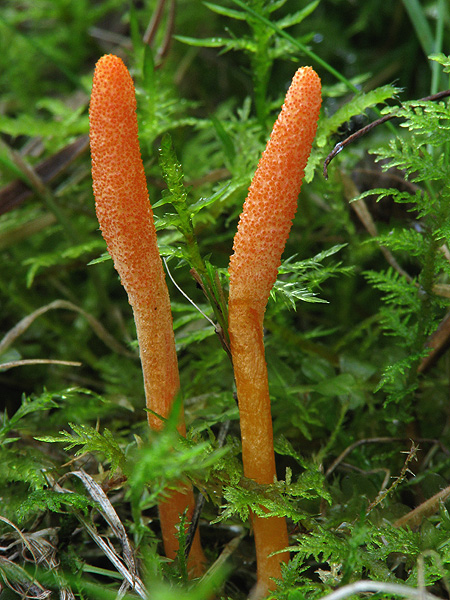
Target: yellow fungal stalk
262,233
126,221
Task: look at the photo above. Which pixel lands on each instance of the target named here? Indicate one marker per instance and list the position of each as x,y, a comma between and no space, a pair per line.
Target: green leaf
30,126
43,500
418,18
43,402
202,203
356,106
215,42
58,257
226,12
341,385
301,278
299,16
227,141
91,441
26,465
442,59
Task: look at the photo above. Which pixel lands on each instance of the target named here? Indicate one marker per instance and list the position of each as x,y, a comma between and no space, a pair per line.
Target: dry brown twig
153,26
38,548
424,510
13,194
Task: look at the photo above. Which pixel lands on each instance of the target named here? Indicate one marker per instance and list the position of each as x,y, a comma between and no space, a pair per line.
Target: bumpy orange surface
262,233
271,203
126,221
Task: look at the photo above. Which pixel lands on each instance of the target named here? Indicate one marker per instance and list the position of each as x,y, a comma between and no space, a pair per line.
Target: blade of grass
304,49
312,55
442,15
420,24
430,43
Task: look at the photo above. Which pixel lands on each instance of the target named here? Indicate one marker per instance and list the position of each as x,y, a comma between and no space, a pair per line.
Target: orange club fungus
126,222
262,233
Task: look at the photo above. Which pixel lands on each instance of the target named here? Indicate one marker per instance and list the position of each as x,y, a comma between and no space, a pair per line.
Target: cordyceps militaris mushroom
262,233
126,221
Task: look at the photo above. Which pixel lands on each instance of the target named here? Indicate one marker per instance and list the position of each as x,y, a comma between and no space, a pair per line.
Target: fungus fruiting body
262,233
126,222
